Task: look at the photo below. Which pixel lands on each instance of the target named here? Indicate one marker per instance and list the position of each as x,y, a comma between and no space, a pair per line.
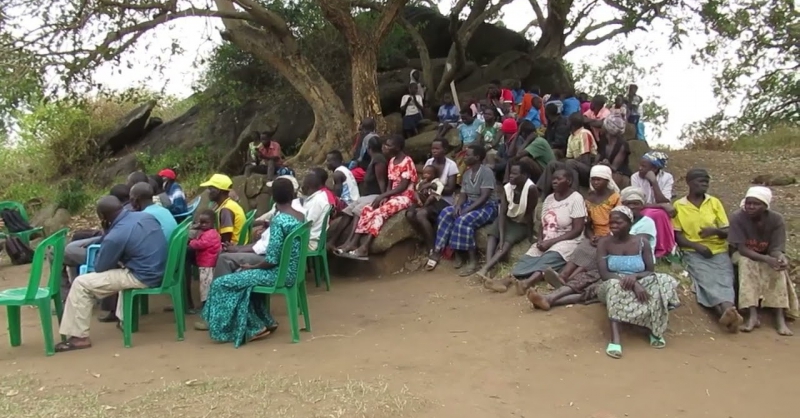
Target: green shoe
201,326
614,350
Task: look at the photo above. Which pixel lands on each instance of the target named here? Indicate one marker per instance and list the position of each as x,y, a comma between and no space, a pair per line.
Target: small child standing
448,115
207,246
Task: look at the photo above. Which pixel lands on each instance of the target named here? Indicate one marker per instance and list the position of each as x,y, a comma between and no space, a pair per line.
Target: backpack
18,251
14,221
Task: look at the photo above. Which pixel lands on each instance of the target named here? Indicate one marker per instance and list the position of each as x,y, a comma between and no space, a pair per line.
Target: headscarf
657,158
697,173
509,126
614,124
604,172
761,193
625,211
632,194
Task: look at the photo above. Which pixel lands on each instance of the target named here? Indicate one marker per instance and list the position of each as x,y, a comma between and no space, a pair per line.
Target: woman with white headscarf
615,151
603,196
758,234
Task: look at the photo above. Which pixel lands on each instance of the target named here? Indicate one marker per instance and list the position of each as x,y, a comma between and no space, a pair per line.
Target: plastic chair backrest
189,210
8,204
303,234
244,234
57,242
176,256
91,254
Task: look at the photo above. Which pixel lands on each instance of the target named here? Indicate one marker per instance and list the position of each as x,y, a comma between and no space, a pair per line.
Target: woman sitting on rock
759,236
402,177
601,199
475,206
701,227
582,287
423,219
563,220
631,290
656,184
614,151
514,222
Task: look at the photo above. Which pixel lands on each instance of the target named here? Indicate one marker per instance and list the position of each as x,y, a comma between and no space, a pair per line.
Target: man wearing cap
174,191
230,216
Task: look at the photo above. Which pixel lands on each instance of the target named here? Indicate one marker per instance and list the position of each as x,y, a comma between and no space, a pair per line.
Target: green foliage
754,48
776,138
192,166
72,196
618,70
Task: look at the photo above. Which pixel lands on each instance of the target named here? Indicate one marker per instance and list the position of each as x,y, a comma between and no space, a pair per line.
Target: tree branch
539,13
271,20
338,13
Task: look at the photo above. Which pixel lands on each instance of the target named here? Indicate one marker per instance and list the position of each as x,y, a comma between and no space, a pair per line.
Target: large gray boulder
128,131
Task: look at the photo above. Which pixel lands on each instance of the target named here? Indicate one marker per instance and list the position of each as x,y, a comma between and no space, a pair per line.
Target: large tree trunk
277,47
366,98
424,58
552,44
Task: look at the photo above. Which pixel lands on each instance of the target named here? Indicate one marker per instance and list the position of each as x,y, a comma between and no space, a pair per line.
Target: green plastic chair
244,235
295,295
40,297
319,257
25,236
144,301
172,285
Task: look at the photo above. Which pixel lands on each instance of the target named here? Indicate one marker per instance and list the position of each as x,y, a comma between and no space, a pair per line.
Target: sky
679,78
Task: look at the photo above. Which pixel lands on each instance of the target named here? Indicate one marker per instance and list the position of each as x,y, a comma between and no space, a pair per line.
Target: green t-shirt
489,132
540,151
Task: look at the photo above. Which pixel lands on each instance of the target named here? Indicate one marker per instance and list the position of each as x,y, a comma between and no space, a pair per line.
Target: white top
412,108
317,207
664,180
450,169
557,219
516,211
260,246
350,188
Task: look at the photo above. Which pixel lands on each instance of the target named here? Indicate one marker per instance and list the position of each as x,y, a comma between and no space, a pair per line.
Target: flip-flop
431,264
657,342
353,256
338,251
551,277
65,346
263,334
614,351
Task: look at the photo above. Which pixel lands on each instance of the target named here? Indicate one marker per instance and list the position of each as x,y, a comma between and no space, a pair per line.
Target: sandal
338,251
657,342
468,270
353,256
551,277
614,351
65,346
431,264
264,334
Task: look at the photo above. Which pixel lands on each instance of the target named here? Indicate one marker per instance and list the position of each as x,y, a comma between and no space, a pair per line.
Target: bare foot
751,324
784,330
731,320
499,286
362,252
553,279
484,275
522,286
538,301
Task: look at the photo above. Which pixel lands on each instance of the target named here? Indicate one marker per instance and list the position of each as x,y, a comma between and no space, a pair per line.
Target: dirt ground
416,345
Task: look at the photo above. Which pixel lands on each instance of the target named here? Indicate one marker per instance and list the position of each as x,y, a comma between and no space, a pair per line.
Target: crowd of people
601,247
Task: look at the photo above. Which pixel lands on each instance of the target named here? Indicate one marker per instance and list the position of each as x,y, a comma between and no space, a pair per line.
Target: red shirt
274,150
506,95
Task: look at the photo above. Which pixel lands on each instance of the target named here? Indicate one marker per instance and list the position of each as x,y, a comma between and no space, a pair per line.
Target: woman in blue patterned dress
631,289
232,314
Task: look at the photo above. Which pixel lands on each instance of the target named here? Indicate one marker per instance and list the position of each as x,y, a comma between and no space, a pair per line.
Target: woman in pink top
596,113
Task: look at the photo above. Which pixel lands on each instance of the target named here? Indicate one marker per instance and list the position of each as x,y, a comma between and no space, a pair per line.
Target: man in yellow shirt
701,229
230,216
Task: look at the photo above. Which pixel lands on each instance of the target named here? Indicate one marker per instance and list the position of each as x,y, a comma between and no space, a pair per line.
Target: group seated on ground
601,247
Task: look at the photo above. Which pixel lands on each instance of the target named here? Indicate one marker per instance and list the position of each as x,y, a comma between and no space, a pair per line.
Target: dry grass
260,395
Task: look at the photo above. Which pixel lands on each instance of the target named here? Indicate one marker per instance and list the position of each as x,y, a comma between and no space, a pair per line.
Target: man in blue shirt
142,201
133,255
174,191
571,104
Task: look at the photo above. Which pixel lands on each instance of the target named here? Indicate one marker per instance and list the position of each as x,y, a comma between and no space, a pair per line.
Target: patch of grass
260,395
783,137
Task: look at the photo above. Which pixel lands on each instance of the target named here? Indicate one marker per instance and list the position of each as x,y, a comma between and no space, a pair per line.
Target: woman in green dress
230,311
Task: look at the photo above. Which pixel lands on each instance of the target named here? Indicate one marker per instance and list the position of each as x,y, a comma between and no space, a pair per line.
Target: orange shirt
274,150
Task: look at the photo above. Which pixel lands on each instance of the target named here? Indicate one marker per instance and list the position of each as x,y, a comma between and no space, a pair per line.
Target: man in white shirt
344,183
315,203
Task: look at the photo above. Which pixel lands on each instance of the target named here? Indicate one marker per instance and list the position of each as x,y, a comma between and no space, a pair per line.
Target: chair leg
14,325
326,271
135,317
180,316
59,304
46,317
144,304
303,296
291,306
127,318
